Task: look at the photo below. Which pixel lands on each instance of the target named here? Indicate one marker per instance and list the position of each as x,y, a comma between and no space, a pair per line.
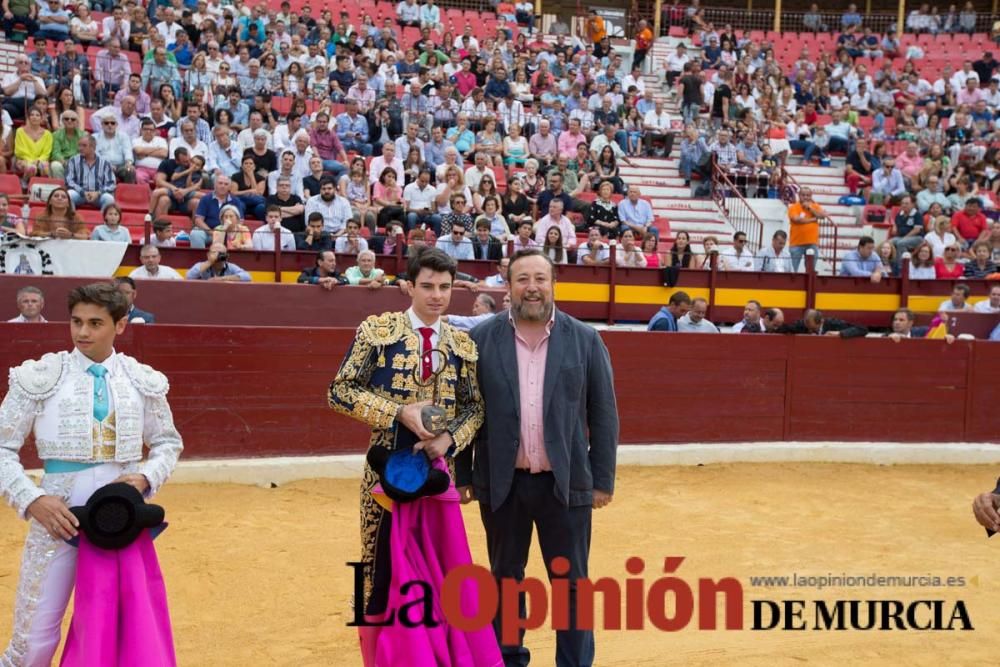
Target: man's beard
532,311
325,198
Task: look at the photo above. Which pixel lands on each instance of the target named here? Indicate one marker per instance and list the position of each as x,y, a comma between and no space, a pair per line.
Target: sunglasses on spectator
110,122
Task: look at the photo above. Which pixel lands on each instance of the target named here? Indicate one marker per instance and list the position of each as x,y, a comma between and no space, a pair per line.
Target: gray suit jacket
581,416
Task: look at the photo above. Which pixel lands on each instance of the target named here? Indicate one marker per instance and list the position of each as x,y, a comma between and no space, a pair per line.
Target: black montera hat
115,515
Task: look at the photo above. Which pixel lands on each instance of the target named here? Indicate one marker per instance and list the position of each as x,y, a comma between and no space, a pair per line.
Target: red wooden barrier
245,391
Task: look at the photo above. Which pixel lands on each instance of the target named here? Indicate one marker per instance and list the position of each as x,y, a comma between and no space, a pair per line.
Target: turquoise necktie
100,391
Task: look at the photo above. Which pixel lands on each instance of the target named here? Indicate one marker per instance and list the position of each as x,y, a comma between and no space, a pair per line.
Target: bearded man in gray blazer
545,456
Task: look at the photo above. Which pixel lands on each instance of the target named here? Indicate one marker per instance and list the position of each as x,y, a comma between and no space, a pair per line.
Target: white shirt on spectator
163,273
418,199
985,307
149,162
263,239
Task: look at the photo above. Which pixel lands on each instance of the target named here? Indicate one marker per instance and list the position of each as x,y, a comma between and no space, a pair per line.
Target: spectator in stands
695,155
657,127
773,320
352,131
128,289
151,268
365,273
948,266
20,12
178,184
111,230
775,258
351,243
862,262
695,320
207,214
922,263
291,205
980,266
931,195
60,220
485,246
636,214
314,238
148,150
217,266
335,208
249,188
909,227
420,199
594,252
9,222
859,168
970,223
629,254
603,213
32,146
675,65
64,142
498,279
902,326
543,146
887,184
958,301
666,318
30,302
53,21
455,244
159,71
814,322
263,237
752,321
90,179
991,304
739,258
324,273
112,68
224,156
522,238
555,218
115,148
804,217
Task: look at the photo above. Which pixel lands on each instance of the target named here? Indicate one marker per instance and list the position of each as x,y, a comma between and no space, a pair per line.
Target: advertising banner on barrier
20,255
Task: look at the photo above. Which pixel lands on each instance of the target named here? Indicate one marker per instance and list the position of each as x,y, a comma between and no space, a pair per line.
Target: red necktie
427,360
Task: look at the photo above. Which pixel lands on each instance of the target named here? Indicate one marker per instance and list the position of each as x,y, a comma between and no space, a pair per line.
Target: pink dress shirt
531,454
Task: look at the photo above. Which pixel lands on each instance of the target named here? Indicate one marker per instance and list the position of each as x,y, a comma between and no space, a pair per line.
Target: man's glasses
109,122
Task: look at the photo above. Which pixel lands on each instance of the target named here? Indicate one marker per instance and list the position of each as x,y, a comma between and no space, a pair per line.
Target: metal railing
728,196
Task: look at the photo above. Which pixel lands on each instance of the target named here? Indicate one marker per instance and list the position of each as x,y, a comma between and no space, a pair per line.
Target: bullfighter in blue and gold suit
377,378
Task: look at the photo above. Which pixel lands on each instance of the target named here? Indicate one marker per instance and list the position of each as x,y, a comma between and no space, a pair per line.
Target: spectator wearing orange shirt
596,29
643,43
804,217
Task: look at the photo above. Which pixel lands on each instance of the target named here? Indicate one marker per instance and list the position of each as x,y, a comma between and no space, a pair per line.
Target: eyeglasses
69,120
109,122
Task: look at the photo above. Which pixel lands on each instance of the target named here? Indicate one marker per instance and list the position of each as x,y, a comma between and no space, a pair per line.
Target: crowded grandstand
839,146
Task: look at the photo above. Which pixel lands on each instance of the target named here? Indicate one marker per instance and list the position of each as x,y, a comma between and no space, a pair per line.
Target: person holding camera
218,267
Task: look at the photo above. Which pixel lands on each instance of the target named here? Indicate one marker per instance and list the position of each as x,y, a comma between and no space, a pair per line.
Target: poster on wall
24,256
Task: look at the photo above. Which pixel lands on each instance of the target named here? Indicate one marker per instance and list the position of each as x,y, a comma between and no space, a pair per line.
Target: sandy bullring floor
257,577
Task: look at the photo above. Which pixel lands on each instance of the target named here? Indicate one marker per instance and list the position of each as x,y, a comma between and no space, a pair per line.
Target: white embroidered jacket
54,398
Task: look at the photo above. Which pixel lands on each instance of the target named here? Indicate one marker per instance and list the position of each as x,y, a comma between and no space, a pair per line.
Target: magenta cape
428,540
120,616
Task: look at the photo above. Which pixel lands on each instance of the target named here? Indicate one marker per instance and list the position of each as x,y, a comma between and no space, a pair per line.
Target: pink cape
120,615
428,540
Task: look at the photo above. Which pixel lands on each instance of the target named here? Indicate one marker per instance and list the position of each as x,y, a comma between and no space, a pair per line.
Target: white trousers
48,572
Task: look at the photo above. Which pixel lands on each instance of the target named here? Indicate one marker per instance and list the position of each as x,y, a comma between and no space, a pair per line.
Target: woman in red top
948,267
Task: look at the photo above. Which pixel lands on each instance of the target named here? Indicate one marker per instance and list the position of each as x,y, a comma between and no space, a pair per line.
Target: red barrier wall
242,391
